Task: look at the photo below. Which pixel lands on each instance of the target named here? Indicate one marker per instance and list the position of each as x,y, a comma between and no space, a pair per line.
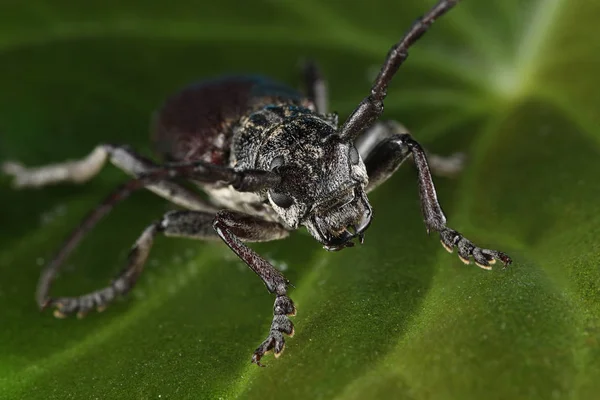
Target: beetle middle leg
192,224
385,159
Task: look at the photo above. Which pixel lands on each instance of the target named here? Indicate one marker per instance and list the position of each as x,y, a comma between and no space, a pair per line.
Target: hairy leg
175,223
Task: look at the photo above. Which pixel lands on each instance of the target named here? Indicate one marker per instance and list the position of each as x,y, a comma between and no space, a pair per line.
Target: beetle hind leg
449,166
77,171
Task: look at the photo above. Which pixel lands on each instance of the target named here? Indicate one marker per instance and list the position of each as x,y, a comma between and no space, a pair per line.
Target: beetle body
252,122
202,121
271,160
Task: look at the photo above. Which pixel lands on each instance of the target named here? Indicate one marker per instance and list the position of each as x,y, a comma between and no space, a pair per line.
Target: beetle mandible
271,160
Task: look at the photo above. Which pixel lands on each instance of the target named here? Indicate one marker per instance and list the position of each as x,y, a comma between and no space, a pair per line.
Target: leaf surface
511,83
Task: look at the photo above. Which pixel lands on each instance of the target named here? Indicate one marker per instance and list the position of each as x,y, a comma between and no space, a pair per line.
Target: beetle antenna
371,107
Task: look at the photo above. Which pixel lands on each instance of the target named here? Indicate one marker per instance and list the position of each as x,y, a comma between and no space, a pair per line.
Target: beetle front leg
234,227
385,159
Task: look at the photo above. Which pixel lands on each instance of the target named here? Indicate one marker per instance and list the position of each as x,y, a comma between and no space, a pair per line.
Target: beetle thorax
323,179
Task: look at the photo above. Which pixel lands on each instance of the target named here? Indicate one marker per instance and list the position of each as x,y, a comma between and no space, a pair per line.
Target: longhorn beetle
270,159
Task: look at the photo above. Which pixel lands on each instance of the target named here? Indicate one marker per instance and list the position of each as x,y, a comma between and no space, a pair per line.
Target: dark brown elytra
193,124
270,160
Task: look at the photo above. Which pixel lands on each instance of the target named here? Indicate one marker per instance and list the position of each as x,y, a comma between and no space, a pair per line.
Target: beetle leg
315,86
371,107
82,170
233,227
440,165
124,282
247,180
190,224
385,159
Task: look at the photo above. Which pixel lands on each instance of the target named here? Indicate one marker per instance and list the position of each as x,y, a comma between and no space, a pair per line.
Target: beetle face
341,211
322,187
335,223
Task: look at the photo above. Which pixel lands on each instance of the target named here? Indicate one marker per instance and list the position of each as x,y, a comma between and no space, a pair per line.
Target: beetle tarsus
281,324
82,305
483,258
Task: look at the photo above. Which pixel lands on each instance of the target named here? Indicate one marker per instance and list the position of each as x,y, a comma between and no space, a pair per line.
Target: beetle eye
282,200
353,155
276,162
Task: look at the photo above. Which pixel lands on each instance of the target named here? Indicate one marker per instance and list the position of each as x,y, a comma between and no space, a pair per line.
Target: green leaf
513,83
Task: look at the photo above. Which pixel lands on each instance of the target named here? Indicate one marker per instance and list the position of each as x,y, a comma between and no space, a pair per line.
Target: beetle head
322,186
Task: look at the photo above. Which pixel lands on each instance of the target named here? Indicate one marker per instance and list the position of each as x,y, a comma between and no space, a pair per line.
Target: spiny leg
385,159
315,86
79,171
371,107
440,165
234,227
247,180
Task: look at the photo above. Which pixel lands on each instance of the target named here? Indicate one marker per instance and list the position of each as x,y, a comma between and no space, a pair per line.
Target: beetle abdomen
196,123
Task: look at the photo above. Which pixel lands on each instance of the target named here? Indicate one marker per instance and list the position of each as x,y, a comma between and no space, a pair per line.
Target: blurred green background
513,83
